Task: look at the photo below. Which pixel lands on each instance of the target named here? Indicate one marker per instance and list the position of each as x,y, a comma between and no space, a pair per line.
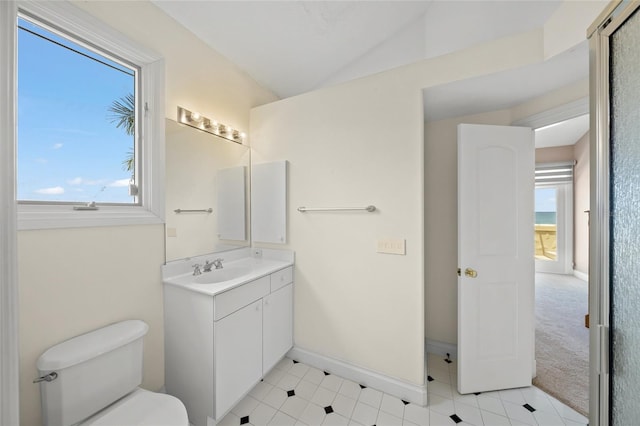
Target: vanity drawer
281,278
234,299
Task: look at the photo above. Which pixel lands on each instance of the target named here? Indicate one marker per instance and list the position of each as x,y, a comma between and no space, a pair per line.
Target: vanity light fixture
205,124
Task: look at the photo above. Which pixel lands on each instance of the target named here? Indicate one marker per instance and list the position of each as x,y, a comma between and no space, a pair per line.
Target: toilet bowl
142,408
93,379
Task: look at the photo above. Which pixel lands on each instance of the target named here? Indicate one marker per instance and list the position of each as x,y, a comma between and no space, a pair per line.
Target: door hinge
146,108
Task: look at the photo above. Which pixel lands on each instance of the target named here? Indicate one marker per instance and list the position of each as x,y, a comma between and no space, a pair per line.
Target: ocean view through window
546,221
545,218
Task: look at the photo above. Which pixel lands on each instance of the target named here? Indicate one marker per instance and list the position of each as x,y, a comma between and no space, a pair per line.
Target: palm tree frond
122,113
129,163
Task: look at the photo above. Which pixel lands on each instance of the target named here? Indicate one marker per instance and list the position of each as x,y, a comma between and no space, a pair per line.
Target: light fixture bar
208,125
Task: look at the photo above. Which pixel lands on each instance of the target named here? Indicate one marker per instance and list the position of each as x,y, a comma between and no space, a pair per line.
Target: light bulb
196,116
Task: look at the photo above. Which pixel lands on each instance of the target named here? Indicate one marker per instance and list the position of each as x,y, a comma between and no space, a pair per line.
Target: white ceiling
292,47
510,88
506,89
566,132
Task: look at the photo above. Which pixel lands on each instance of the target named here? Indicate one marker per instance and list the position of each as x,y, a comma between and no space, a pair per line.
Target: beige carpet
562,340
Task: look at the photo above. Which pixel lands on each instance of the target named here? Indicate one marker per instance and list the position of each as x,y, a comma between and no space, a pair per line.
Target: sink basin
220,275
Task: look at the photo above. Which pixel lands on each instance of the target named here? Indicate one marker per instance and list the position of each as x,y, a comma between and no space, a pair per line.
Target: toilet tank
94,370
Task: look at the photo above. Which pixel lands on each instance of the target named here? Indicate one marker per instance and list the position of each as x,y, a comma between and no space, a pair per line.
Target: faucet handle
218,263
196,269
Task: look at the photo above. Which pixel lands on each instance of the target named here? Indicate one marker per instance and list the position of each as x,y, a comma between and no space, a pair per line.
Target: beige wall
554,154
353,146
75,280
580,205
568,24
362,143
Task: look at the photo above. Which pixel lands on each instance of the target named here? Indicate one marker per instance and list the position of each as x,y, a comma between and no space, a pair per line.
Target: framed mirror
207,190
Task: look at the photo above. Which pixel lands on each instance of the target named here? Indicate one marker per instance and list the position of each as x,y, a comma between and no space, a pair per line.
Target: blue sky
545,199
68,150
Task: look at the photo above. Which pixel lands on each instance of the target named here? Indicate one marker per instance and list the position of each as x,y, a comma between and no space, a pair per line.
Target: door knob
471,273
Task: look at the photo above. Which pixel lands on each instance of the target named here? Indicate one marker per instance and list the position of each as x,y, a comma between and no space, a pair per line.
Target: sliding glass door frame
599,34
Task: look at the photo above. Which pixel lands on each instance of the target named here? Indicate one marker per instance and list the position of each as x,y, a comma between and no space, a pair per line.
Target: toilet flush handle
48,378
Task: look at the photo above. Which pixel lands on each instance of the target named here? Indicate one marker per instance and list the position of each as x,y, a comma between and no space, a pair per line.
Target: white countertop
269,262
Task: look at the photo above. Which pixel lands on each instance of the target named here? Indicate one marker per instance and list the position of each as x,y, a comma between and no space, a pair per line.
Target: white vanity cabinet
217,347
237,341
277,319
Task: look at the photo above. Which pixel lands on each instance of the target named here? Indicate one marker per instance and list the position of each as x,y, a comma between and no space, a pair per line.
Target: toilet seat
142,408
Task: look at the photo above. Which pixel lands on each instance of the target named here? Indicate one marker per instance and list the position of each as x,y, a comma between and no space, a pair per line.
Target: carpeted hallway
562,340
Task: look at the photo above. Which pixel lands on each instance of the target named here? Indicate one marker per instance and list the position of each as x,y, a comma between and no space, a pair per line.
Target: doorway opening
438,133
561,264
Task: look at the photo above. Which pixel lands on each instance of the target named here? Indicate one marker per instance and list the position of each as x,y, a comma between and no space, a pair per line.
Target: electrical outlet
392,246
172,232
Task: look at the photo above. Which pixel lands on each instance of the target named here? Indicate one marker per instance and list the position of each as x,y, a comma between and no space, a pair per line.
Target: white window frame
150,135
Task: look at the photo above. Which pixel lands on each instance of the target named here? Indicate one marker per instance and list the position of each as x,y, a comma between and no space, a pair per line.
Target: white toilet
93,379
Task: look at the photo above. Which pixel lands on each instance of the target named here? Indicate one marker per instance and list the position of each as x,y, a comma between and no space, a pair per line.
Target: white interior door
495,254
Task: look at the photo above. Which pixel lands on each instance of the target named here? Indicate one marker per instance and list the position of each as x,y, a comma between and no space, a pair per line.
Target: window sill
31,217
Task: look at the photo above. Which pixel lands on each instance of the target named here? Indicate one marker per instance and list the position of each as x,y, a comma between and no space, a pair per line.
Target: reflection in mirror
231,184
204,171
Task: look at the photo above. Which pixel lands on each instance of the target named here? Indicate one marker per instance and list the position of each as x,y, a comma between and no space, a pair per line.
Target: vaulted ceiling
292,47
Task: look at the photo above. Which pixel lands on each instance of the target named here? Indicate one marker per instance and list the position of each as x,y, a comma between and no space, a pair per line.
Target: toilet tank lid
90,345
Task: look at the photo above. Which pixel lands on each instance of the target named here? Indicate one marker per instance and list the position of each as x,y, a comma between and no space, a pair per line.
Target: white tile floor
297,394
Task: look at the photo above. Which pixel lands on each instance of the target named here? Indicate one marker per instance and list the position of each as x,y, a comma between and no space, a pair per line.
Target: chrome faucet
196,269
207,265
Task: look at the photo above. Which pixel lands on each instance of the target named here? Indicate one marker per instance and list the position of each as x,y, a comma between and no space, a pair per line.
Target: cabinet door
237,356
278,326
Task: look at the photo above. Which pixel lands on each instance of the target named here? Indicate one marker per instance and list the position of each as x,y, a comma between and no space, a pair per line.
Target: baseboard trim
581,275
398,388
441,348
